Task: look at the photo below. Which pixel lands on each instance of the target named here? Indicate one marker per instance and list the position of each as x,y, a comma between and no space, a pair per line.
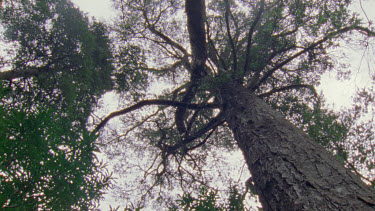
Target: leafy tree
234,67
56,67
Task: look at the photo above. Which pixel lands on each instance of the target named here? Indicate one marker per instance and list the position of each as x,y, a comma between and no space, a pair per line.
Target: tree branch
22,73
214,56
170,68
196,16
331,35
167,39
180,111
164,37
150,102
250,36
212,124
202,142
231,42
295,86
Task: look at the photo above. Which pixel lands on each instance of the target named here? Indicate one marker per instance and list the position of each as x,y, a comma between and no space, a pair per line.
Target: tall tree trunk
290,170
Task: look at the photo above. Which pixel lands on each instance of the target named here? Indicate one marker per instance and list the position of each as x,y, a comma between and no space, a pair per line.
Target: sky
338,93
101,9
341,92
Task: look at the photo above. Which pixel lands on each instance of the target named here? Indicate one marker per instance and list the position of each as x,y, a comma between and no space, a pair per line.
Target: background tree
55,67
220,58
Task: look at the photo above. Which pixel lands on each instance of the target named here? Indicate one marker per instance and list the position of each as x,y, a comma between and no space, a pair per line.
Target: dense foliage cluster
56,66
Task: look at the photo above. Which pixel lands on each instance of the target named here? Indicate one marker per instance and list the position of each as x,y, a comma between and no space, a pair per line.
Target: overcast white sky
101,9
339,93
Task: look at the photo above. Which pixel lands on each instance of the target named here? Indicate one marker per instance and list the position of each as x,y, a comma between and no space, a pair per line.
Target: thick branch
150,102
22,73
196,16
295,86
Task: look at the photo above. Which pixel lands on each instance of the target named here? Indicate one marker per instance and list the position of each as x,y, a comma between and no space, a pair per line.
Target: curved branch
171,68
181,111
202,142
167,39
331,35
150,102
212,124
295,86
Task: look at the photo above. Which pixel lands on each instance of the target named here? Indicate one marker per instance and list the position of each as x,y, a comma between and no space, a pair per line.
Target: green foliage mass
62,64
46,162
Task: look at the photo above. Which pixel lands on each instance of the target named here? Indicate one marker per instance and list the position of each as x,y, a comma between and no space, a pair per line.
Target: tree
248,62
56,67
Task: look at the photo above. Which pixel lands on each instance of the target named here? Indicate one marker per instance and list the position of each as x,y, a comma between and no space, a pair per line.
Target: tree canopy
206,54
276,49
56,66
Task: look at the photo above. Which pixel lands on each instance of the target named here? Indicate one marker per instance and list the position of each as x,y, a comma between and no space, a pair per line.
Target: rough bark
290,170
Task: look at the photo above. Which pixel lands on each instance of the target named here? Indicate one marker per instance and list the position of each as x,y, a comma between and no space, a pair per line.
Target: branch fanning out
150,102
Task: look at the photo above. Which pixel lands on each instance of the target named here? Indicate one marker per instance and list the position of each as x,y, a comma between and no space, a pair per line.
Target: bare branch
202,142
295,86
150,102
250,36
170,68
167,39
331,35
212,124
214,56
231,42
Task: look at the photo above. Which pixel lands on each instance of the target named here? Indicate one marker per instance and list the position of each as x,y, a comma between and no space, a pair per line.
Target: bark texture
290,170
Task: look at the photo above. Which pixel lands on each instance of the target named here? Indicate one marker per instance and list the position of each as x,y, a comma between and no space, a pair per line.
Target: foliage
277,49
72,59
46,162
208,200
58,66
